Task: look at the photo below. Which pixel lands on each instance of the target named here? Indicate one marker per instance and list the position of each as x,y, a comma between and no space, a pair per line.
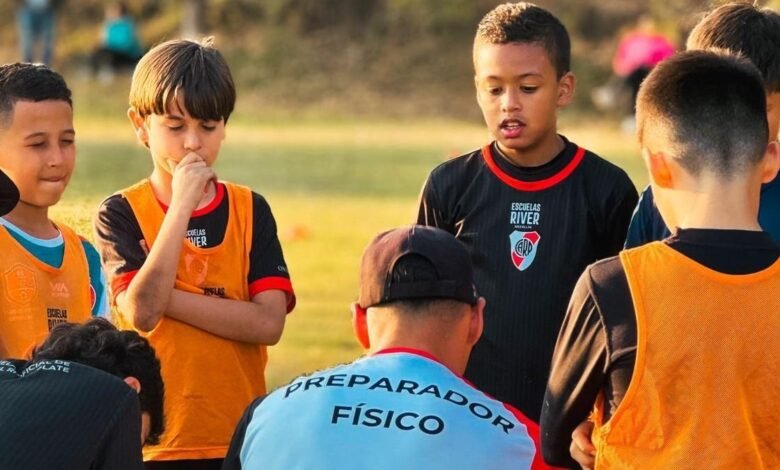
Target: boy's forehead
26,115
513,58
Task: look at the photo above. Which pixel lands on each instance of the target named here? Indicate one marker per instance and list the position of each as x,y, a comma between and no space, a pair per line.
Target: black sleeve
620,207
118,238
578,373
267,267
431,211
233,458
122,445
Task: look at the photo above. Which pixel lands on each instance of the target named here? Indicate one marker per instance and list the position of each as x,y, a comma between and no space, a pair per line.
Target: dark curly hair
527,23
99,344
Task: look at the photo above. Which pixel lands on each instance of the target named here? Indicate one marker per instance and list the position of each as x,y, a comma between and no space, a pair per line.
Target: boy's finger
581,436
584,459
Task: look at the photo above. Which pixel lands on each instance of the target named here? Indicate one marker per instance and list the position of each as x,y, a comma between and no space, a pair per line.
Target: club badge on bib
522,247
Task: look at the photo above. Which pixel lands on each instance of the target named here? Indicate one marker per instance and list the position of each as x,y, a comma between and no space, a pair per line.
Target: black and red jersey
531,232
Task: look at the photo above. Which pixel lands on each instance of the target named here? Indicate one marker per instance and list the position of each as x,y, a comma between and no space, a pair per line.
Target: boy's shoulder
462,164
595,162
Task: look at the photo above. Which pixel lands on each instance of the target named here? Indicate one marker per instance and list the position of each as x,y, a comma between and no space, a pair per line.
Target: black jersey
531,232
64,415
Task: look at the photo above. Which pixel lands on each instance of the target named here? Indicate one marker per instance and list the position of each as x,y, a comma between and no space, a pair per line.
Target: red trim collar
211,205
521,185
416,352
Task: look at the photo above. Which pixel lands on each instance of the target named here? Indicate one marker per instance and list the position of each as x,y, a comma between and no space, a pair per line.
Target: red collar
521,185
211,205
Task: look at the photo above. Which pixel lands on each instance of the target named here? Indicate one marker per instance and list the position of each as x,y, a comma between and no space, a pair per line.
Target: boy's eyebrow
173,116
522,75
43,134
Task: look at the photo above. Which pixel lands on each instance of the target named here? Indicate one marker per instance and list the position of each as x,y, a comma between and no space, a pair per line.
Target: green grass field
331,187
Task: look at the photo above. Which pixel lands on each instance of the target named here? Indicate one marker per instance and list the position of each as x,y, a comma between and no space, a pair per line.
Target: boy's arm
260,321
150,291
430,210
620,206
578,374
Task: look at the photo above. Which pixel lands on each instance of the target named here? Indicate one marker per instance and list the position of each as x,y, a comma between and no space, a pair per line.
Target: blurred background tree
387,58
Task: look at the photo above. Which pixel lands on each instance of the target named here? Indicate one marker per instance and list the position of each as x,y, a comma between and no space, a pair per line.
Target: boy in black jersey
533,208
703,130
89,398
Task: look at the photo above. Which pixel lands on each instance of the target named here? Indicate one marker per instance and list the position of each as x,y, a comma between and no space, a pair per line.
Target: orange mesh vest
209,380
36,296
705,388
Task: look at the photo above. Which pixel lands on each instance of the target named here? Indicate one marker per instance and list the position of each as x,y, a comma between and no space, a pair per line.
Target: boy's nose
56,157
510,101
192,141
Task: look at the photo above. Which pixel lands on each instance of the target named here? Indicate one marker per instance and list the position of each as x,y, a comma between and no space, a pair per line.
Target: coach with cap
404,405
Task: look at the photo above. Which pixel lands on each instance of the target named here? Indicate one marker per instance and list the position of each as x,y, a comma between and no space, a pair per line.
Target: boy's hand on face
191,177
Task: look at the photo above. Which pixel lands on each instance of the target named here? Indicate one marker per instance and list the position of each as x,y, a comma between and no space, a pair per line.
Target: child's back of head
710,108
745,29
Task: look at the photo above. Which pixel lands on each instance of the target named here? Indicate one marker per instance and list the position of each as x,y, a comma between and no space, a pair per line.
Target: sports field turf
331,187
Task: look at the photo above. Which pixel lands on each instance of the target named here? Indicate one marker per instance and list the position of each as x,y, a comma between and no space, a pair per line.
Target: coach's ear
139,125
359,325
133,383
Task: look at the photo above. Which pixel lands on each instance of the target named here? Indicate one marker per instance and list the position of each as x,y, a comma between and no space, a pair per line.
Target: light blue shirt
397,409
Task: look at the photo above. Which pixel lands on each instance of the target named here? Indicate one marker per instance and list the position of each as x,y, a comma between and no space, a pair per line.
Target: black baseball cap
449,258
9,194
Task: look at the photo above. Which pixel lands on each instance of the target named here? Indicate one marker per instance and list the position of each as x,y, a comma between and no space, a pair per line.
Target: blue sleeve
646,223
97,279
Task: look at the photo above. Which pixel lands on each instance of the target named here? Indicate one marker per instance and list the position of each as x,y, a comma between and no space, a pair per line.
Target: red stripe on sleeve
274,283
533,432
120,282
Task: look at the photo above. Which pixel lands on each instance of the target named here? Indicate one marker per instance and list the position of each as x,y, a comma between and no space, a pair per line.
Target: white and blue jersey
398,408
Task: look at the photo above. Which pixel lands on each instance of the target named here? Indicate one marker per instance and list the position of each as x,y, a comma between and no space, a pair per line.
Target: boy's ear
566,87
658,168
133,383
771,162
360,325
139,125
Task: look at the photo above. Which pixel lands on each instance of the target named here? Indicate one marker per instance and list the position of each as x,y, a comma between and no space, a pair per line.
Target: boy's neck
730,207
33,221
161,182
543,152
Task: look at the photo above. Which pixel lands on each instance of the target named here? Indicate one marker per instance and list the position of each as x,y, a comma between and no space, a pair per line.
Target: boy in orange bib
48,274
194,263
683,334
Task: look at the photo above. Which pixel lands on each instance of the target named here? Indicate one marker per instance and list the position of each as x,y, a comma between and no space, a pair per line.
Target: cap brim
9,194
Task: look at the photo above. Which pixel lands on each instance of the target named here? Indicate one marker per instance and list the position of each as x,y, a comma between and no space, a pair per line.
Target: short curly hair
29,82
527,23
99,344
